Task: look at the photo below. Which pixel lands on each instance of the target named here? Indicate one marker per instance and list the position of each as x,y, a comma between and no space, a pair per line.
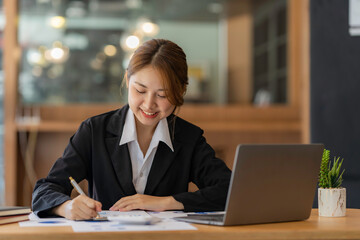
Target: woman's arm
55,189
211,176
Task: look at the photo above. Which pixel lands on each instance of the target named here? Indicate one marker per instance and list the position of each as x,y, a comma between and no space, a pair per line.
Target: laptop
269,183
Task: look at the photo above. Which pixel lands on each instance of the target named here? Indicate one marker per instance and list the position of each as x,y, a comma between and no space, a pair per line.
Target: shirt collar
129,130
161,132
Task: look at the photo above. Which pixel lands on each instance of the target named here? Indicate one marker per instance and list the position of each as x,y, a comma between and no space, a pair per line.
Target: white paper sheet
117,227
167,224
45,222
107,213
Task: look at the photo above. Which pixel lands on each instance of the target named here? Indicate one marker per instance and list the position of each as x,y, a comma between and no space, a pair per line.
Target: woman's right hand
79,208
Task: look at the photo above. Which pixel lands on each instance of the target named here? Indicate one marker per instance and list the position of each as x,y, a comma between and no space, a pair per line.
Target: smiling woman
130,149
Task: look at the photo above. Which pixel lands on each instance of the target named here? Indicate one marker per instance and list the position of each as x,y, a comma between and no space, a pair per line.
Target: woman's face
147,97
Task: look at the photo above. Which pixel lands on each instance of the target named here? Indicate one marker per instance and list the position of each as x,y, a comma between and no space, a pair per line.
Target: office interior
260,71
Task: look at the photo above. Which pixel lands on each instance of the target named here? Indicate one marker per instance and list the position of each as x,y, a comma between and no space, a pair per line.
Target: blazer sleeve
211,176
55,189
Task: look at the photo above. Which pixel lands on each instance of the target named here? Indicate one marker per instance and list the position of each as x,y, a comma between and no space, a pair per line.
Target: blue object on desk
51,222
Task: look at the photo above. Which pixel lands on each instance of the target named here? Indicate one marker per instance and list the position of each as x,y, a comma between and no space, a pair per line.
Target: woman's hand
80,208
147,202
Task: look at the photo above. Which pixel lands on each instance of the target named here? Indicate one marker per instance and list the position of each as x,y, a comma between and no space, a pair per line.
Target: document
165,222
112,226
35,221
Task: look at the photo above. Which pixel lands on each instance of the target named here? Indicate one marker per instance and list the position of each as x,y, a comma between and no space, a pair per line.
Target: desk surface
314,228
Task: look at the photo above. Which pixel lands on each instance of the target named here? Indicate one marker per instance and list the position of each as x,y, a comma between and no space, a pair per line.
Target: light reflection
132,41
129,42
58,53
150,29
35,57
57,22
110,50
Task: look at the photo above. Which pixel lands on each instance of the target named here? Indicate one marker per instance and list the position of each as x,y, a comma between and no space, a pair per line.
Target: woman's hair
169,60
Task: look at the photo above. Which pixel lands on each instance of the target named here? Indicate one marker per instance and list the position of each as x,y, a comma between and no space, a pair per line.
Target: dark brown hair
167,58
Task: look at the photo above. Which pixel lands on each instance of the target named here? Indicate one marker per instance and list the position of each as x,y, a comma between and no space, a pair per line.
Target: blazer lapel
162,161
119,155
120,158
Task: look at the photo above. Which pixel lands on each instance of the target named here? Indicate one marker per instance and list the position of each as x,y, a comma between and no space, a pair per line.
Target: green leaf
324,169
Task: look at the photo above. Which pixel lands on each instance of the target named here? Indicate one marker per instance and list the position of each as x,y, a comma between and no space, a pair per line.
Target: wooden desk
314,228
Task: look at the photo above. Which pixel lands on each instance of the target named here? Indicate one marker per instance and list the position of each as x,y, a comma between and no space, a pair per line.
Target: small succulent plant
330,176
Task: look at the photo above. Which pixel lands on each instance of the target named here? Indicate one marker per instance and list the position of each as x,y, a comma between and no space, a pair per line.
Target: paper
117,227
133,217
118,213
114,226
35,221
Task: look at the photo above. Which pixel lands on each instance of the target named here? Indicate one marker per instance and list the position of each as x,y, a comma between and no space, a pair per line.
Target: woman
140,156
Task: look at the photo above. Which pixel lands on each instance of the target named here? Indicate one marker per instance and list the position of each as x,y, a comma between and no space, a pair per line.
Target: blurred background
77,51
250,65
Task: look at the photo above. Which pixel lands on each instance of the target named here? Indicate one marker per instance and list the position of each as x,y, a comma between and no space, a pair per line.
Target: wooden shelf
261,126
48,126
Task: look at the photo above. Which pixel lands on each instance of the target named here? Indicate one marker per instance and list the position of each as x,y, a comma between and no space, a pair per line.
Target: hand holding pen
80,208
88,204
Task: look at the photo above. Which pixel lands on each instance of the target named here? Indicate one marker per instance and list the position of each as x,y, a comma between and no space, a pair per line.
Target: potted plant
331,196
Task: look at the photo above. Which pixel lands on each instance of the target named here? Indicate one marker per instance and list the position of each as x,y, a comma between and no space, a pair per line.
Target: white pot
332,202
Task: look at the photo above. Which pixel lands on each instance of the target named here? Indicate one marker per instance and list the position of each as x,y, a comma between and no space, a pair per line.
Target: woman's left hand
146,202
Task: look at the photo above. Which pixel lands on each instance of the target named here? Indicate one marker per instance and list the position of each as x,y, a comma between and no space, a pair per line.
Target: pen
79,190
76,186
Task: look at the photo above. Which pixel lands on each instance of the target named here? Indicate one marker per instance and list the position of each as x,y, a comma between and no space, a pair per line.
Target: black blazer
93,153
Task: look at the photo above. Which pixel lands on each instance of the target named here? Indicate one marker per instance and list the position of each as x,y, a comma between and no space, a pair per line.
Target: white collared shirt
141,164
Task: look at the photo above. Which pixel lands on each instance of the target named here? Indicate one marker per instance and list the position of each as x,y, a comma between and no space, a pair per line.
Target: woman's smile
149,114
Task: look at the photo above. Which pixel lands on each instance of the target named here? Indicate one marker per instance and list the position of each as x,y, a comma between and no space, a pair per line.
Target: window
269,52
77,51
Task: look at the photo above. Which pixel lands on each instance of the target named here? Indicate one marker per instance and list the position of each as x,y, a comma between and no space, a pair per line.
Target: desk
314,228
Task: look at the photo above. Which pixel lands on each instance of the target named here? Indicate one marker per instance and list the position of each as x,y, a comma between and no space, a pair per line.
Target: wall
335,84
200,42
239,42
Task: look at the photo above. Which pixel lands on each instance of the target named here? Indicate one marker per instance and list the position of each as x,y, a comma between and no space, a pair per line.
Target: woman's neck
144,136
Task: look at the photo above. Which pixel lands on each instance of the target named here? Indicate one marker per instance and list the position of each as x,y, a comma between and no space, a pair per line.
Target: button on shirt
141,164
